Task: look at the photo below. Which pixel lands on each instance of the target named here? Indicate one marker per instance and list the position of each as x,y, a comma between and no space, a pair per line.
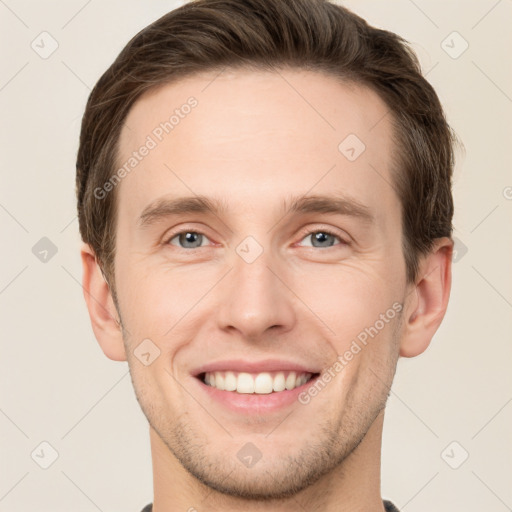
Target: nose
256,299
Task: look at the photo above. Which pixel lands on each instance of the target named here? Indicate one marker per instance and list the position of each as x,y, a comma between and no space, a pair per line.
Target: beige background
58,387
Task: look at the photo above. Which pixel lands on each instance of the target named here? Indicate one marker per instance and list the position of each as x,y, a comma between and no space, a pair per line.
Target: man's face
256,282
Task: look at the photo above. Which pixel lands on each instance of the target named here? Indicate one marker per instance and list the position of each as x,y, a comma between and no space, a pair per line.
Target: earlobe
426,310
102,311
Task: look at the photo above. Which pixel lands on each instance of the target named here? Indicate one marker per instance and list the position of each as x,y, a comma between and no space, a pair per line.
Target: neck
352,485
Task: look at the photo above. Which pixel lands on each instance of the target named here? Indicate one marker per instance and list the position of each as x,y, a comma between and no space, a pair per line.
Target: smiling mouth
256,383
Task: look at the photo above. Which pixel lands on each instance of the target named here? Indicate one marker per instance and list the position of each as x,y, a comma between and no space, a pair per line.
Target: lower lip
252,403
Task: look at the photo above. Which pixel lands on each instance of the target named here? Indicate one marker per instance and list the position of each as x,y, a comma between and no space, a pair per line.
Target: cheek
340,299
156,299
347,298
360,309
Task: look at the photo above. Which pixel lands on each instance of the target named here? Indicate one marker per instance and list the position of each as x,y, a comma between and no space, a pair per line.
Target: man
308,164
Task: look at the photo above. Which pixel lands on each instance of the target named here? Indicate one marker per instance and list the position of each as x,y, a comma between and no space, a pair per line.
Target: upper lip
267,365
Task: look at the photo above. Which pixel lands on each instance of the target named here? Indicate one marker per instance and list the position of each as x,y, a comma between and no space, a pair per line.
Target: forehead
252,137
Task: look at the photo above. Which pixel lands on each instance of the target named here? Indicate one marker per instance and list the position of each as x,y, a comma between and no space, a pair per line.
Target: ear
429,299
102,311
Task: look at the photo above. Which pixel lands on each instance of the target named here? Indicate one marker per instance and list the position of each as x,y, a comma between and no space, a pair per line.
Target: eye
187,239
323,238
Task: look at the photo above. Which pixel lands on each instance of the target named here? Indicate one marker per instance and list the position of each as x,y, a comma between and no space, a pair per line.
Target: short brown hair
205,35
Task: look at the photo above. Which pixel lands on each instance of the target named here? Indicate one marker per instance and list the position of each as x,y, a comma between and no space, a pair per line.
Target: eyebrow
343,205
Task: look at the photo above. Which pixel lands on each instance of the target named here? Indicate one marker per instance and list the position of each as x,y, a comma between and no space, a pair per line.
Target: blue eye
322,238
189,239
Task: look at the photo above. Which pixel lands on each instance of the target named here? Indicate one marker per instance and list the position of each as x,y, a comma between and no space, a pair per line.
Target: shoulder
387,505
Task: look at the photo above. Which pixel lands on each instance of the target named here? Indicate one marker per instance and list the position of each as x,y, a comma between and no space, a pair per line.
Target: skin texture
253,141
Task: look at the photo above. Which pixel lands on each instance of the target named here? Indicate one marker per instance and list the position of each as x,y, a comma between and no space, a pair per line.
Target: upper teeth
260,383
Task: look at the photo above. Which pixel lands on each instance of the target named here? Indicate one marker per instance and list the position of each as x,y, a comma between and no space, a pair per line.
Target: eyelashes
184,233
196,238
325,232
